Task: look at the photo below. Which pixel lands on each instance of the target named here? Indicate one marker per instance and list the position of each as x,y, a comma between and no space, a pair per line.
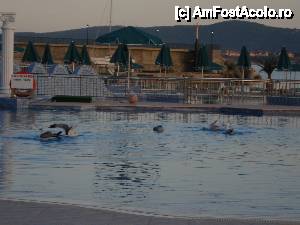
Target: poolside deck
105,105
31,213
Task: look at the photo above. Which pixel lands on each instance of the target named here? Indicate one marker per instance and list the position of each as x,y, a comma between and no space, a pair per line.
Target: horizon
218,22
225,40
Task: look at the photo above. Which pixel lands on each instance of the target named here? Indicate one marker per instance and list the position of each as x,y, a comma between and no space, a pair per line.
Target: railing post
79,85
183,86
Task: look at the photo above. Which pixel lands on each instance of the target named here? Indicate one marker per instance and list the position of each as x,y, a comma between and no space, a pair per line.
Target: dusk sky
54,15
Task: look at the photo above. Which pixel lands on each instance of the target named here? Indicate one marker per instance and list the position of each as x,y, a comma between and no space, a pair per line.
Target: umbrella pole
290,80
73,67
243,78
294,83
165,71
128,77
286,75
202,71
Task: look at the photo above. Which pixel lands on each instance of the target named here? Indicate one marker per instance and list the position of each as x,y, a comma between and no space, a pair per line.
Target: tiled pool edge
30,212
259,110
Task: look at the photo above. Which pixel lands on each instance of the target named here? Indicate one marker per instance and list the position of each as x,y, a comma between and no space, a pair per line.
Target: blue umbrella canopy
85,57
164,58
47,56
30,54
284,62
72,55
85,70
36,68
57,69
244,59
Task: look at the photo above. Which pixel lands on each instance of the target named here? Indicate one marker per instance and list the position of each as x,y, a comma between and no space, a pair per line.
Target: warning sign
22,81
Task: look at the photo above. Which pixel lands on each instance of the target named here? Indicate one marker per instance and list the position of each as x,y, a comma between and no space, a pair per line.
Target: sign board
22,81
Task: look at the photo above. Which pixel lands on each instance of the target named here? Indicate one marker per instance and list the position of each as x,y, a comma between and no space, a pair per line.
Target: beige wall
182,58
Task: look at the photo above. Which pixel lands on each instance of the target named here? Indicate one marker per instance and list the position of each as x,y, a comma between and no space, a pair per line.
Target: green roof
129,35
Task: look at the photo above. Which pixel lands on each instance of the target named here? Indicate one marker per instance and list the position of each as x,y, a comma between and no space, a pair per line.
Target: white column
8,29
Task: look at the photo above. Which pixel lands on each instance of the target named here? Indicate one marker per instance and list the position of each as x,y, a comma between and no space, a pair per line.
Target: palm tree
268,65
231,70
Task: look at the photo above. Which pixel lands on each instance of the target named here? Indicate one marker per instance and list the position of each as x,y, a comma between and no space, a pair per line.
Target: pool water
117,161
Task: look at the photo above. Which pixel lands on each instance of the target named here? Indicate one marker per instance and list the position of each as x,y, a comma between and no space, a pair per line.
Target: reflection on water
118,161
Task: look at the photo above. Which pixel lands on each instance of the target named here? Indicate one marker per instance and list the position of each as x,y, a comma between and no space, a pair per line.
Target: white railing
188,90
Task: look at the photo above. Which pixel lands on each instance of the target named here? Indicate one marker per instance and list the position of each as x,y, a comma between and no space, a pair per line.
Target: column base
7,102
5,92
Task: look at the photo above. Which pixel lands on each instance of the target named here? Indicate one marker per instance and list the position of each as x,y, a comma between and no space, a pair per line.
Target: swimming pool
117,161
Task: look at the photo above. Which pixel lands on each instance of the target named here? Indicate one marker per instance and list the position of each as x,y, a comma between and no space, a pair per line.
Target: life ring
34,85
133,99
22,93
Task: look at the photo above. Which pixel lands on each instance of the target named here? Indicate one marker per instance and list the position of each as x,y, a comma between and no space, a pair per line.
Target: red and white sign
22,81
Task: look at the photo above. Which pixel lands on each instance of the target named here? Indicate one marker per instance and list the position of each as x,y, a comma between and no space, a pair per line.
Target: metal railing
284,88
181,90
